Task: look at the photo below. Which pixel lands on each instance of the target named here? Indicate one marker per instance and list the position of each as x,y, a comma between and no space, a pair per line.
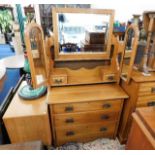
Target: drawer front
84,117
84,133
59,80
147,88
109,77
109,105
148,100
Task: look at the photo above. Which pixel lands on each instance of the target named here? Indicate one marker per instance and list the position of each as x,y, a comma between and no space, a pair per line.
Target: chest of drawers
141,91
84,113
143,128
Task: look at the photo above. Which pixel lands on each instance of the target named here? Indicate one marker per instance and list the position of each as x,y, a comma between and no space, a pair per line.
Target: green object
28,93
26,66
21,20
5,21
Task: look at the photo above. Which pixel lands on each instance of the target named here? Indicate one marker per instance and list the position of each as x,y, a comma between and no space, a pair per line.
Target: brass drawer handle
58,81
151,103
69,109
111,77
70,133
105,117
69,120
153,90
103,129
107,105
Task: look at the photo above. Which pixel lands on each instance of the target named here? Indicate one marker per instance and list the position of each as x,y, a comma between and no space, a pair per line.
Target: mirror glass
129,40
37,51
79,32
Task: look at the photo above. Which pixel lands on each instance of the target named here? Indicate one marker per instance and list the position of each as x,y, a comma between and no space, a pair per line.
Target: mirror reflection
82,32
37,54
129,40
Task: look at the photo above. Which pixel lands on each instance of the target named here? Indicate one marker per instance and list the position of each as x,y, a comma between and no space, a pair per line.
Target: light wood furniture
83,113
82,107
141,91
142,134
27,120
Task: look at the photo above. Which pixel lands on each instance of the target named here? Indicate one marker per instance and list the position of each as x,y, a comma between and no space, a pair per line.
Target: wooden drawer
84,133
109,105
58,80
84,117
148,100
147,88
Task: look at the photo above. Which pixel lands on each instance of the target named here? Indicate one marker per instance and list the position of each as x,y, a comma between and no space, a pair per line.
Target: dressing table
84,98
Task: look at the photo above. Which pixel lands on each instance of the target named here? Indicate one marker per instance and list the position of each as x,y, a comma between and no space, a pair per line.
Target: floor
98,144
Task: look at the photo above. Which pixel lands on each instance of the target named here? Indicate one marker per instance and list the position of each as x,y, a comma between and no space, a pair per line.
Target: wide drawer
147,100
147,88
84,133
108,105
84,117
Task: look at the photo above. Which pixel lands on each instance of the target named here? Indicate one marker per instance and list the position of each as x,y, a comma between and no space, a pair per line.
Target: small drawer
84,117
58,80
109,77
147,88
109,105
84,133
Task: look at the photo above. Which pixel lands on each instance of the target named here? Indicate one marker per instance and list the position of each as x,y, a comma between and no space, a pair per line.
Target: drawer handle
103,129
69,109
153,90
69,120
111,77
107,105
70,133
104,117
58,81
151,103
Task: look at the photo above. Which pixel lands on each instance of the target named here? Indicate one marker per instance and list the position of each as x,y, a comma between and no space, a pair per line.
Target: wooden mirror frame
29,27
82,56
134,51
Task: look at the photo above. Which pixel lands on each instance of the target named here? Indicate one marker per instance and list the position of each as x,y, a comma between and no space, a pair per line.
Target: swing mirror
34,40
130,48
82,33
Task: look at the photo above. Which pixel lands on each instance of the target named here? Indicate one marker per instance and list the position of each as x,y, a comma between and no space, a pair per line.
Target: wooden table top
83,93
34,145
139,77
16,61
20,107
147,115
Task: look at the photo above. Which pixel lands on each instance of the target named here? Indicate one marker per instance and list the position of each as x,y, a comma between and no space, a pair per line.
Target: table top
23,108
33,145
2,70
147,115
16,61
84,93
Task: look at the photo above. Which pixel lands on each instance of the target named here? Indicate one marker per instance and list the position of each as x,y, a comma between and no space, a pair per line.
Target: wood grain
27,120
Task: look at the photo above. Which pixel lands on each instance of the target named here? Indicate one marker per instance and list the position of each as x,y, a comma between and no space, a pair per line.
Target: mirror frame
134,51
88,56
30,56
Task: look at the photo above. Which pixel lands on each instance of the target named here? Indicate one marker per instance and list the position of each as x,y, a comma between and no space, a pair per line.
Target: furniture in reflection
34,145
85,113
142,133
141,93
27,120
